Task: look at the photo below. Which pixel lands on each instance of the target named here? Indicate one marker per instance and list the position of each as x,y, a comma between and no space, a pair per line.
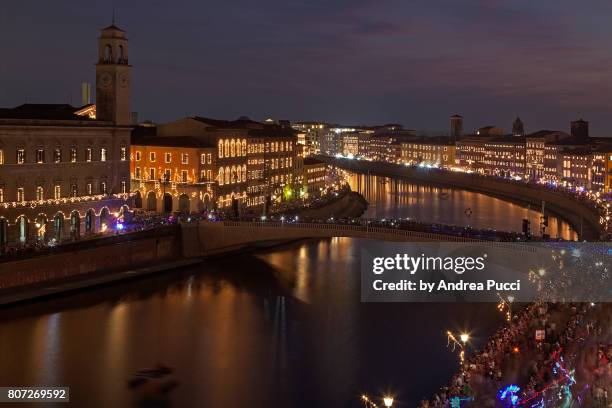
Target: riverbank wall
107,259
89,258
584,219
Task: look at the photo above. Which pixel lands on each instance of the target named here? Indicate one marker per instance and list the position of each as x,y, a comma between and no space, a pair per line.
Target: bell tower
113,77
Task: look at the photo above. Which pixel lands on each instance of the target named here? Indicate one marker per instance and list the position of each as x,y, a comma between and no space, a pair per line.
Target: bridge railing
367,229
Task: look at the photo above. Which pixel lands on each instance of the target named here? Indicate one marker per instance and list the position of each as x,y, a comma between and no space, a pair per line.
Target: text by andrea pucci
458,264
485,271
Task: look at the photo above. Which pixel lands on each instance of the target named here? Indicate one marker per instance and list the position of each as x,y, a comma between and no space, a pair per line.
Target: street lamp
464,337
388,401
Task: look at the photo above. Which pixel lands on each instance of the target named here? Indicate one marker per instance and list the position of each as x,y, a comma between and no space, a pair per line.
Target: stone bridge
206,238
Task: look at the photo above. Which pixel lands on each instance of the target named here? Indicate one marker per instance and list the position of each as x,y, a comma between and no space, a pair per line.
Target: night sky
347,61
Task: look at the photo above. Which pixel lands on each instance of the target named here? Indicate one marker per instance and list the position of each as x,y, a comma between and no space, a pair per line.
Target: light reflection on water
282,327
401,199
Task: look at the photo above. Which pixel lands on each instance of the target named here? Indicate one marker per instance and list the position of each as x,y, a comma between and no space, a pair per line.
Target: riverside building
64,171
214,164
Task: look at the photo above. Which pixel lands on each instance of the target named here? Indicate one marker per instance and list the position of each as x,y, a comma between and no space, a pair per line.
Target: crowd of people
569,360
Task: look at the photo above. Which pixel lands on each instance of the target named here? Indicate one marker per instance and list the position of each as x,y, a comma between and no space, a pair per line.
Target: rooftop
242,122
173,141
45,111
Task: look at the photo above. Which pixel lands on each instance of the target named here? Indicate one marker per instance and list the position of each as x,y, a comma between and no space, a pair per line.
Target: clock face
124,80
106,80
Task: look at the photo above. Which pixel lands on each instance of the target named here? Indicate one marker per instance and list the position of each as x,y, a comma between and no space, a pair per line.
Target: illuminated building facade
504,156
382,148
350,144
64,171
470,153
575,167
272,160
436,151
311,135
314,176
251,163
534,157
173,174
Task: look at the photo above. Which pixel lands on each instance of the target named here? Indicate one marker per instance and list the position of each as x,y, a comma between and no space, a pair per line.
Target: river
401,199
276,327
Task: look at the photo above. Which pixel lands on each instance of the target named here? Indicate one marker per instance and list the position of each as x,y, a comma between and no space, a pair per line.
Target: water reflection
283,327
395,198
280,328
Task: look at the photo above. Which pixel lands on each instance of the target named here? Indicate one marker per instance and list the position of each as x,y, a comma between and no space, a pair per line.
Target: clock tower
113,77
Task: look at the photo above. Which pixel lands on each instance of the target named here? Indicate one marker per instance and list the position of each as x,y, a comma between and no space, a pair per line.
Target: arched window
108,53
221,175
90,218
227,175
226,149
121,54
233,148
58,226
244,147
40,193
220,149
233,179
244,173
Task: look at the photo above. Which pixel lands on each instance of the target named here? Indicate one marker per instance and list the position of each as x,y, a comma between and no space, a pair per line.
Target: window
40,156
138,156
168,157
208,175
184,176
57,192
74,190
21,156
152,173
103,187
209,158
40,195
1,195
73,155
57,155
220,153
185,158
89,188
1,156
202,158
152,157
108,53
103,154
123,153
88,154
167,175
123,187
137,173
221,176
20,195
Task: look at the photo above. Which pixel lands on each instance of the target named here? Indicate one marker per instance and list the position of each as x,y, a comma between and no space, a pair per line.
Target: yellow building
434,151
